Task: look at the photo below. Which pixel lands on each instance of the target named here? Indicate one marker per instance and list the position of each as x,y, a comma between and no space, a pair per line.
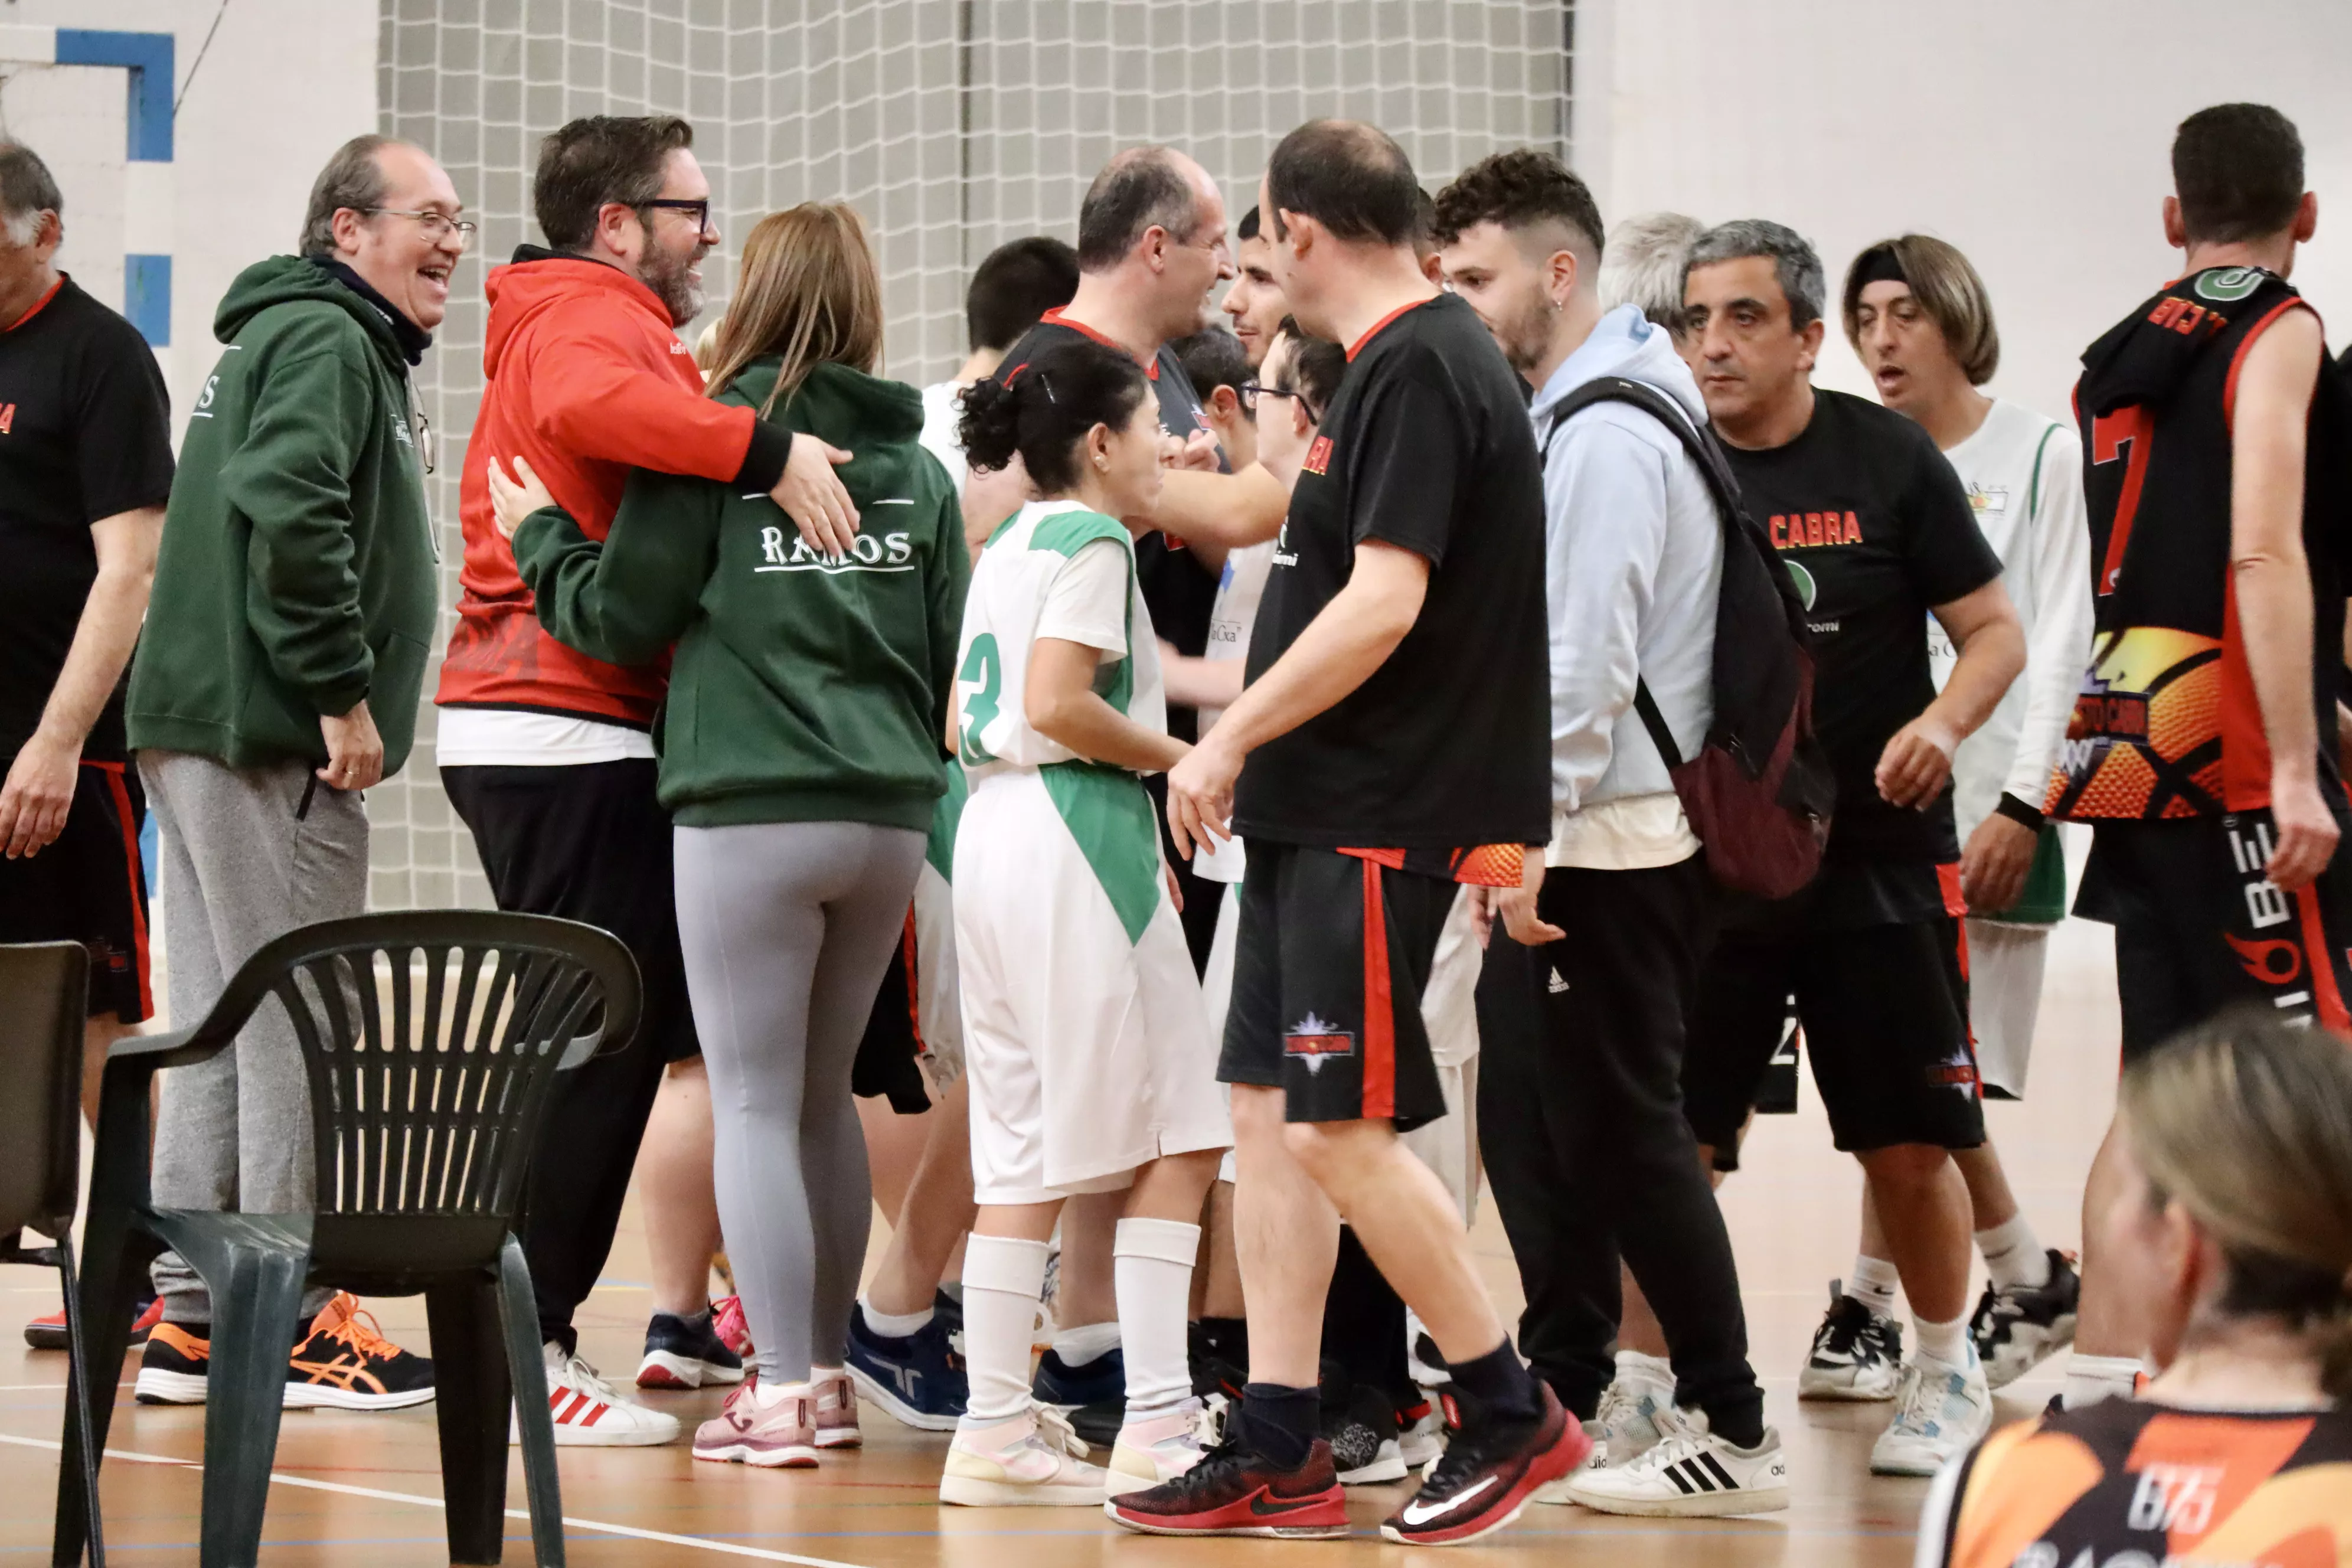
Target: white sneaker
589,1414
1689,1473
1856,1354
1159,1447
1423,1439
1626,1427
1033,1460
1942,1411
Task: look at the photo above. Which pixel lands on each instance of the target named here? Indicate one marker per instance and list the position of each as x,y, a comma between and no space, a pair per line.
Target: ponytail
1044,408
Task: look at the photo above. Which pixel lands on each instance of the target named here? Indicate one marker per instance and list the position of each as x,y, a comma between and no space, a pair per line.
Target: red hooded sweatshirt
586,380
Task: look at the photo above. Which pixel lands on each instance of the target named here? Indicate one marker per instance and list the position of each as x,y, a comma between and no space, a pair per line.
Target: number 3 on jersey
982,666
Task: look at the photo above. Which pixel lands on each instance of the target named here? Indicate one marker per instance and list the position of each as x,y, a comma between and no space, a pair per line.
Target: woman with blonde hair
801,762
2232,1225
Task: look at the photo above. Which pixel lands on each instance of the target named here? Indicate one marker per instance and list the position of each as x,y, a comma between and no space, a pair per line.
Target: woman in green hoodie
801,760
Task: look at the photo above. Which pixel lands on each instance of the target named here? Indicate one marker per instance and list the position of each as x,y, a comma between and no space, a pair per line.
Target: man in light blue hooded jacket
1580,1111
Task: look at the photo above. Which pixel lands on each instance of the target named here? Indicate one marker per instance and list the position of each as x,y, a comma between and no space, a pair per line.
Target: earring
1102,462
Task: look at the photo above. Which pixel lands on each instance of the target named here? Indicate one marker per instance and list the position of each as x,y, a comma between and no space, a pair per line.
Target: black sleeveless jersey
2130,1483
2166,724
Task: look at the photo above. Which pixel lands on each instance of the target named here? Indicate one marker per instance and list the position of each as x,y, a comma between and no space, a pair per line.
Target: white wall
286,82
2033,134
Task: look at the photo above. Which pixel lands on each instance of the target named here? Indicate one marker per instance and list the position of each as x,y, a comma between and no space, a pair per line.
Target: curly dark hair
1517,190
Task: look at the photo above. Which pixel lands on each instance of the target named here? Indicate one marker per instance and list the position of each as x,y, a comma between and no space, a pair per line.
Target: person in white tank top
1919,317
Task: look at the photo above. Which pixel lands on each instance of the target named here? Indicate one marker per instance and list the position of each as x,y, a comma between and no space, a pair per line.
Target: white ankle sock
1087,1341
767,1396
2091,1378
1004,1281
2013,1255
1948,1342
1872,1284
1649,1368
1151,1270
896,1325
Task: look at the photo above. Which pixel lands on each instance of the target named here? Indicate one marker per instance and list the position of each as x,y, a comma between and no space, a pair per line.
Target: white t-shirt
939,436
512,738
1230,620
1057,570
2023,474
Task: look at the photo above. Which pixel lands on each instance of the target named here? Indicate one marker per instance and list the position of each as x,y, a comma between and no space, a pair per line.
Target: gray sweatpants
239,869
787,928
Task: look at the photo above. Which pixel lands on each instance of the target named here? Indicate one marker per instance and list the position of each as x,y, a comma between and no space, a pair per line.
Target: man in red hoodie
548,754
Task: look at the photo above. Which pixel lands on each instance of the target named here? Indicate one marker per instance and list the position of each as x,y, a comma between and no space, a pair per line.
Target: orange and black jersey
2126,1482
2167,725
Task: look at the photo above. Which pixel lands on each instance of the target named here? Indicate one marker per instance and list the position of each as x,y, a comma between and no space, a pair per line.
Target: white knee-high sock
1152,1271
1003,1280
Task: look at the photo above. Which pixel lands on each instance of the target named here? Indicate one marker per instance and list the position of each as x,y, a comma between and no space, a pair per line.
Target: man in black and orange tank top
2202,747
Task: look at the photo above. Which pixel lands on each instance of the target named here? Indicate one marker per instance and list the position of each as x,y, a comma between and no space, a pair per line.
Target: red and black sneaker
1236,1491
1490,1469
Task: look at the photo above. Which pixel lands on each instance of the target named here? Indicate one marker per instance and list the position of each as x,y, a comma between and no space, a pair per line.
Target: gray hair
352,178
1794,260
1642,266
1140,189
28,190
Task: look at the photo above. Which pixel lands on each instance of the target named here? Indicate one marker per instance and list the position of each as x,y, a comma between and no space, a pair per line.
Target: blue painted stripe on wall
148,58
147,297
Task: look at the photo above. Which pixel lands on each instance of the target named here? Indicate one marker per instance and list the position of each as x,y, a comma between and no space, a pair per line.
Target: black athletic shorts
886,1053
88,887
1330,959
590,843
2200,927
1885,1010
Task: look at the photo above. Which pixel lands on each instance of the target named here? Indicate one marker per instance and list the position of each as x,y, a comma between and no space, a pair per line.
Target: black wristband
2018,810
764,458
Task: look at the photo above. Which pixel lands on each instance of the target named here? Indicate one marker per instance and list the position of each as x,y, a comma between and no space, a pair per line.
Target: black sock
1278,1423
1741,1424
1501,1386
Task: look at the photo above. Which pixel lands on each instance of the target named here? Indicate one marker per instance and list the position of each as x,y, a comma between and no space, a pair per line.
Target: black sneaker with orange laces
1234,1490
1491,1466
344,1362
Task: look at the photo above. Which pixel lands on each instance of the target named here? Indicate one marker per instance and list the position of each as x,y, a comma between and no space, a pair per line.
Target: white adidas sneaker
1626,1425
1942,1411
588,1414
1689,1473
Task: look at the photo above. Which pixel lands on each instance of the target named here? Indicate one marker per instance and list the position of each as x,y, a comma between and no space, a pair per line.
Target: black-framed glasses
698,210
1252,391
437,227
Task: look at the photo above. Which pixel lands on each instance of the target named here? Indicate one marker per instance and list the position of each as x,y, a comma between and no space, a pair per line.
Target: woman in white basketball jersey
1089,1057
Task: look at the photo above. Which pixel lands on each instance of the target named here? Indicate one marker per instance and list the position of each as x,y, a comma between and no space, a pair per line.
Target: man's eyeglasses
697,210
437,227
1252,391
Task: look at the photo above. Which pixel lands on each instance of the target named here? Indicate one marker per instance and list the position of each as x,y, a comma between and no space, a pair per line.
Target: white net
954,125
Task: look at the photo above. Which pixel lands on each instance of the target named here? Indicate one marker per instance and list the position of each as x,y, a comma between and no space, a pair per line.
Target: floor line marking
728,1548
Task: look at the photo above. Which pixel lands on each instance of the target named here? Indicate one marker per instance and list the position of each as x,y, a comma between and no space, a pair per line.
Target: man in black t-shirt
1396,728
85,468
1873,524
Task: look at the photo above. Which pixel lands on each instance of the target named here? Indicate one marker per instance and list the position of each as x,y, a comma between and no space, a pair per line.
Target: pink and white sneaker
1157,1447
772,1428
837,1408
1033,1460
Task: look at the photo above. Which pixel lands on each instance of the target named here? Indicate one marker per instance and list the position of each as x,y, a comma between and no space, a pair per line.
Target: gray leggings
787,928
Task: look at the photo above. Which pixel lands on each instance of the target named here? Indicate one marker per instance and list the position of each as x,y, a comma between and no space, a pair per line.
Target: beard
1525,332
666,275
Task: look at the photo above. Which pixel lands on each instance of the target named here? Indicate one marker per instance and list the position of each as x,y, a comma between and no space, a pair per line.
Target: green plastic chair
44,997
431,1039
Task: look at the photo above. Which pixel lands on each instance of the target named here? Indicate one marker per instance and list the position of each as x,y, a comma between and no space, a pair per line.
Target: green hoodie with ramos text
296,570
803,689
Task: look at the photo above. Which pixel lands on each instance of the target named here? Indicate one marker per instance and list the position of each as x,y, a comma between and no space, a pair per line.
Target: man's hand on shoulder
813,497
37,796
354,750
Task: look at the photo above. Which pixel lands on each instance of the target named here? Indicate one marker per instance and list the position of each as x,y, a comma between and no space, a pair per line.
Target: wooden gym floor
360,1491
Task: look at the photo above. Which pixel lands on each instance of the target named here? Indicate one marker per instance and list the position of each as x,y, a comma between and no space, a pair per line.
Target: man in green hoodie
276,678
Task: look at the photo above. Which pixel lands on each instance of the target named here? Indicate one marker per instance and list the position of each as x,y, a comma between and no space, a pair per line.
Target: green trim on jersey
1111,818
2033,488
1066,532
939,848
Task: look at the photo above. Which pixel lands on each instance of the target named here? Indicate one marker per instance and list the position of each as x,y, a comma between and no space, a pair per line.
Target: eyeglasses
437,227
699,209
1252,391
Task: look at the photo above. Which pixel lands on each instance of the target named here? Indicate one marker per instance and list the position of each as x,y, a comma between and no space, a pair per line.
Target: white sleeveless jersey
1055,570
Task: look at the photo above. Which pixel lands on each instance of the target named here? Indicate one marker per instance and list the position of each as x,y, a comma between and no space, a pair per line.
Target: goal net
952,125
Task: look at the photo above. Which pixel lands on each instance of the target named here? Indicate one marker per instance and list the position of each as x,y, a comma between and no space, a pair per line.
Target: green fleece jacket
801,690
296,570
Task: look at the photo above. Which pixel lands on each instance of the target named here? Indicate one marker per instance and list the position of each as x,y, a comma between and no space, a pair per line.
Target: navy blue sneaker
686,1353
1089,1383
918,1380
